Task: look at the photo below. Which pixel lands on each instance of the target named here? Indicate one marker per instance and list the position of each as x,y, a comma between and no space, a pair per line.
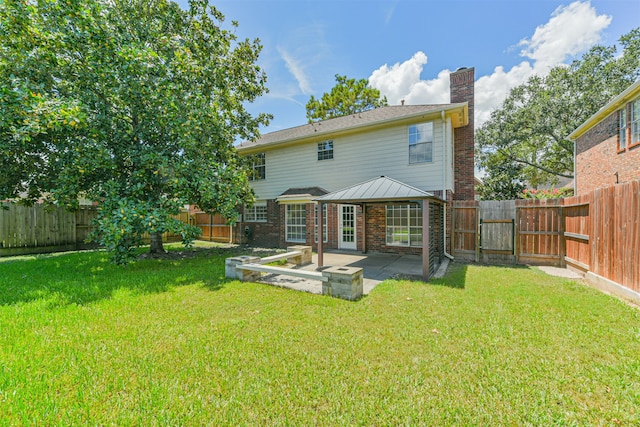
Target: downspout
444,182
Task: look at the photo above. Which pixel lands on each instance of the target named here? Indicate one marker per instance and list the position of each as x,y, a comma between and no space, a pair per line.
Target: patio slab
376,268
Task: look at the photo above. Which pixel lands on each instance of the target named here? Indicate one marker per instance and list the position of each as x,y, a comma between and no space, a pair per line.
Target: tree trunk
156,244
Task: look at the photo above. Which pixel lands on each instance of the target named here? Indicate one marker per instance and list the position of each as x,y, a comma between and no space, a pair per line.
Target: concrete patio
376,268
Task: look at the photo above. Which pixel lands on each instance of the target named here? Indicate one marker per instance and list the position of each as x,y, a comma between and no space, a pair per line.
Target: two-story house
418,150
607,145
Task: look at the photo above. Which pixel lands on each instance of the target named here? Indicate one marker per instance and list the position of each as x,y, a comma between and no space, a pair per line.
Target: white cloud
570,30
402,80
492,89
297,70
390,11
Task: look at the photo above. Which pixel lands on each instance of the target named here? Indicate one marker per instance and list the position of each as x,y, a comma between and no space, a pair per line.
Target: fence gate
497,231
214,228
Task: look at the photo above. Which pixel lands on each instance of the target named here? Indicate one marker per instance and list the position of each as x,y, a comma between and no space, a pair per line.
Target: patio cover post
320,234
425,240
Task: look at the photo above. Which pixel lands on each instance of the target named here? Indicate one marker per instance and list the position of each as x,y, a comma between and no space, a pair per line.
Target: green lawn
83,342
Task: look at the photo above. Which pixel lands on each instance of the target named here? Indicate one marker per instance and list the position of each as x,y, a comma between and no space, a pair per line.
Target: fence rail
34,229
597,233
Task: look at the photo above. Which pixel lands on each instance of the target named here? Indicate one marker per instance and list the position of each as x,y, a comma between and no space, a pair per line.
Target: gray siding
357,158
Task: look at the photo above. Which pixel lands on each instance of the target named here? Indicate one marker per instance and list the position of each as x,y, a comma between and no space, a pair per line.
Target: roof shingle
352,121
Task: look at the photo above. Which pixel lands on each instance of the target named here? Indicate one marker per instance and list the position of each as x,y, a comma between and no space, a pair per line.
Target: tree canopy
348,96
133,104
525,140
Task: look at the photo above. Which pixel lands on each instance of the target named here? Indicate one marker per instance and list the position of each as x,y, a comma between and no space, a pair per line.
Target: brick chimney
461,90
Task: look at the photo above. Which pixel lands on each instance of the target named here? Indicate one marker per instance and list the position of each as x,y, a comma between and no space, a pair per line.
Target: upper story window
325,150
256,213
421,143
258,167
629,131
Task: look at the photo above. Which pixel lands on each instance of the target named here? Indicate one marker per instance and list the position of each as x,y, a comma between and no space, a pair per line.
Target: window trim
623,129
627,123
410,207
634,122
303,226
426,143
254,217
322,152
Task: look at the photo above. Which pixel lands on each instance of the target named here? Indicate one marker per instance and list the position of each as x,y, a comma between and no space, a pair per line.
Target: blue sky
407,48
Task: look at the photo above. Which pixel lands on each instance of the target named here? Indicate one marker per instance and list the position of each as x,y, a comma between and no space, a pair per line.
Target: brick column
462,90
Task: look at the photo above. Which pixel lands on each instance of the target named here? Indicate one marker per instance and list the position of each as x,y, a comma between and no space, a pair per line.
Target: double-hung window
635,122
421,143
629,129
404,225
622,136
256,213
296,223
325,150
257,164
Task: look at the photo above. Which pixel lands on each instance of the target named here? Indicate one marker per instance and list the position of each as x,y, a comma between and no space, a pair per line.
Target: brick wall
376,233
271,234
462,90
598,159
264,234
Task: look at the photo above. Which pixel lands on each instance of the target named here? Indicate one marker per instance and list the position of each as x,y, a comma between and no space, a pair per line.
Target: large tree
528,133
348,96
135,104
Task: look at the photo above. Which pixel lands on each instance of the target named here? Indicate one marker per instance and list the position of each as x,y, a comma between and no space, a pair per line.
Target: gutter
444,182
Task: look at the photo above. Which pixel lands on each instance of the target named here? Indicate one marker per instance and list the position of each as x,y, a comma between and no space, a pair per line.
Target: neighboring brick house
607,145
422,149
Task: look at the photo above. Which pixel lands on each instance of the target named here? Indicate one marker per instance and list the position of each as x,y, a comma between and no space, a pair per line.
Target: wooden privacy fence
598,233
214,227
34,229
508,231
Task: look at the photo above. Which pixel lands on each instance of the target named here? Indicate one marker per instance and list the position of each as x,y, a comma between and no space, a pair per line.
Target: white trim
342,244
286,225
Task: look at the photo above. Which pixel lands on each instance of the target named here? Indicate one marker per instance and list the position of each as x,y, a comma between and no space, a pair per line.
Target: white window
324,223
622,137
325,150
635,122
421,143
256,213
257,164
296,223
629,130
404,225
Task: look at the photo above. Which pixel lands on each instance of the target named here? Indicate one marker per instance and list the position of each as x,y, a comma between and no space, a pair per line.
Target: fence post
563,241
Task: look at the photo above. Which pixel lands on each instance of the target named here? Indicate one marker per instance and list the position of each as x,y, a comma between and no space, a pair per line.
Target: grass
83,342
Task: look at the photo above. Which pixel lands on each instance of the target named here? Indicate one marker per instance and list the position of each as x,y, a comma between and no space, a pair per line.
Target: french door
347,227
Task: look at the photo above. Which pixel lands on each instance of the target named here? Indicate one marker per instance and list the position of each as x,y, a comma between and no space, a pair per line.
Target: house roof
300,194
305,191
381,189
628,95
377,117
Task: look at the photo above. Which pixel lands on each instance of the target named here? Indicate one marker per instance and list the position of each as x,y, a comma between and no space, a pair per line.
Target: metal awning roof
381,189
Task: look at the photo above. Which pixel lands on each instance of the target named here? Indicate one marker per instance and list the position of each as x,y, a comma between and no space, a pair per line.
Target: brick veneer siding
462,90
598,159
264,234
